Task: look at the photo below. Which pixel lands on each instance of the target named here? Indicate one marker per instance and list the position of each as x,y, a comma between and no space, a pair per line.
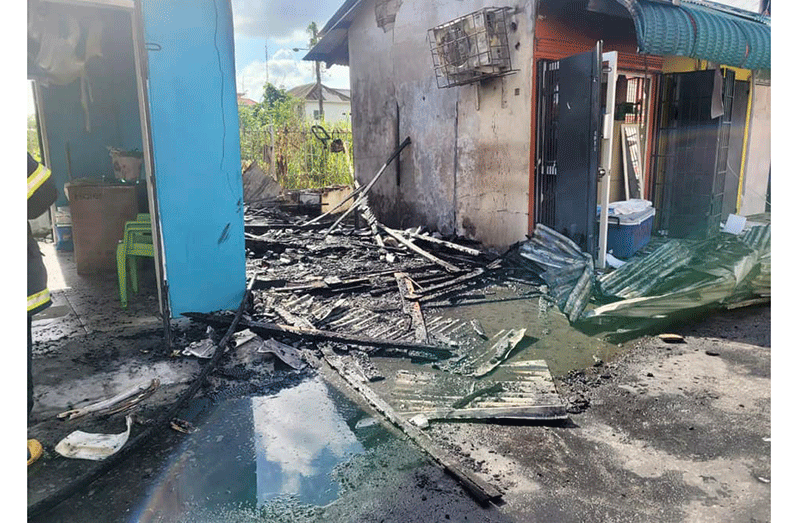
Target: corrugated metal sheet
682,275
525,391
568,271
700,32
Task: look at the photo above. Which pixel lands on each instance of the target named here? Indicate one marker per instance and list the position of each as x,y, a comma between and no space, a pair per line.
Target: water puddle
282,456
297,457
549,336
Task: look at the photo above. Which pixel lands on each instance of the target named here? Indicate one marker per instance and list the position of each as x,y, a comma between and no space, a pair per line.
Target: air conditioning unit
471,48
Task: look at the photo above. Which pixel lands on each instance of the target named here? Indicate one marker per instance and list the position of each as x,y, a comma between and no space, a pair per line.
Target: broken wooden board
404,241
450,245
436,291
526,391
482,491
293,319
269,329
411,306
121,401
366,366
499,351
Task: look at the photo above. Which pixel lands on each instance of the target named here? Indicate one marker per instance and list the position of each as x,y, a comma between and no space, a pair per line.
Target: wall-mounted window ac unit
471,48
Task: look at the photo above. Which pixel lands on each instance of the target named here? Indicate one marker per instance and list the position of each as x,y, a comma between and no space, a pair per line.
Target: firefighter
41,195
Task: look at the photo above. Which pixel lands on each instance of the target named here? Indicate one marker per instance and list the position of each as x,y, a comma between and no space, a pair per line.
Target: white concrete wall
757,162
333,111
467,169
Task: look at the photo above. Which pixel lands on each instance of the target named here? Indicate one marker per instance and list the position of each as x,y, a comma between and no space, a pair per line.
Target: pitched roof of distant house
311,92
244,101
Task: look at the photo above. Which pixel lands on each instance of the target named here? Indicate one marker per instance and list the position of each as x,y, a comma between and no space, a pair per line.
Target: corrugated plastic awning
701,32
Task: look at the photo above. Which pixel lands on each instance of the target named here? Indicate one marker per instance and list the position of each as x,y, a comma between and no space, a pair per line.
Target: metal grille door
567,146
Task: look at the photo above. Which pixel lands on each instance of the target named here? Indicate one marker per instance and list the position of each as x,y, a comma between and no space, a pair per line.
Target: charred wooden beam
269,329
411,306
449,245
367,187
415,248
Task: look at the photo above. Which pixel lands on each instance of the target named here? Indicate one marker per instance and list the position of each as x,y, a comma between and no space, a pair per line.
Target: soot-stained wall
467,170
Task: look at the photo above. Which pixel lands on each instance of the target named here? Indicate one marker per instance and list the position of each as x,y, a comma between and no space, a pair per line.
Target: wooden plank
434,291
412,307
293,319
367,188
269,329
415,248
450,245
482,491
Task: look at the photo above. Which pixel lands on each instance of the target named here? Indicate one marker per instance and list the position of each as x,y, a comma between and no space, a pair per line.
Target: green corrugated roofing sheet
701,32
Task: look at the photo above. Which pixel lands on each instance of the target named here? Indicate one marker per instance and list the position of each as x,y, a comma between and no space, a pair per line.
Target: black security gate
692,154
567,145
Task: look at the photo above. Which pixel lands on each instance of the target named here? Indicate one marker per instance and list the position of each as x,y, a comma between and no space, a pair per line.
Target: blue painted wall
113,113
196,151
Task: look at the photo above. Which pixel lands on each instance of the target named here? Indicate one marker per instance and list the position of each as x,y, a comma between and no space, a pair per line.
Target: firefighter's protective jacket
41,195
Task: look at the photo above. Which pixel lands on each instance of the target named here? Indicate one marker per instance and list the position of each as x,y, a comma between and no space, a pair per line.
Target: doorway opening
88,107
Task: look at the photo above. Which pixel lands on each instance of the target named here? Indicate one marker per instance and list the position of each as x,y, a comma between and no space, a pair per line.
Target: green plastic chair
136,242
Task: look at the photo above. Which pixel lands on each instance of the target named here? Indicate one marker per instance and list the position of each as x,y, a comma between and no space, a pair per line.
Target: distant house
244,101
336,102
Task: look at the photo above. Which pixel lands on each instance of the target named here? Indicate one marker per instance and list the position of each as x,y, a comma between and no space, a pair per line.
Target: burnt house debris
504,179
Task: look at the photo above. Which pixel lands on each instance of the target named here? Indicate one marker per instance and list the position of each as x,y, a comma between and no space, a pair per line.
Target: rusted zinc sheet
525,390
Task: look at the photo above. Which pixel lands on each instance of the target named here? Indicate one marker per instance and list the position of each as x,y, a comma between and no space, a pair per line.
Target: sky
280,26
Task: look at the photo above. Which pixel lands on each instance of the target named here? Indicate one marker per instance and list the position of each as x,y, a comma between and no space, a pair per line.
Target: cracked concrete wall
467,170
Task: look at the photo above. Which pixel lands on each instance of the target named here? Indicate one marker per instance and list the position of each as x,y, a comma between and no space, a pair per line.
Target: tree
313,32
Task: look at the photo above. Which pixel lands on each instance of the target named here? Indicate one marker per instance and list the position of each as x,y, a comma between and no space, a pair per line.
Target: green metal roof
701,32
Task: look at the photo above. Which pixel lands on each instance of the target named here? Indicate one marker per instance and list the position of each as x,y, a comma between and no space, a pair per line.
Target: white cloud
287,434
748,5
287,70
280,18
298,35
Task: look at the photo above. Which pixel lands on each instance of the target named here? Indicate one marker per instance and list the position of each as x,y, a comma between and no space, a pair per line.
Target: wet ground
656,432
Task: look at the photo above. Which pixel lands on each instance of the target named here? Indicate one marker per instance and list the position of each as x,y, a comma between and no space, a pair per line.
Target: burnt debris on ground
396,313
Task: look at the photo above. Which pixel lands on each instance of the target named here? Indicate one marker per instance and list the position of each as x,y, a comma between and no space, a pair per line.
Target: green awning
701,32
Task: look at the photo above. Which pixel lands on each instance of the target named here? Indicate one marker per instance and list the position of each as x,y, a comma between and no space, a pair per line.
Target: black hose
83,481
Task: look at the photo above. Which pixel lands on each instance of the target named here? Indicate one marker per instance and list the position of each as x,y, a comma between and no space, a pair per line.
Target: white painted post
606,154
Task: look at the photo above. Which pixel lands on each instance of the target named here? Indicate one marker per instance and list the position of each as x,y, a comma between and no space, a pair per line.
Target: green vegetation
274,130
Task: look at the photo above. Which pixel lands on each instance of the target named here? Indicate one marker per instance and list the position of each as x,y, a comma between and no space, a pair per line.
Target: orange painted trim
533,146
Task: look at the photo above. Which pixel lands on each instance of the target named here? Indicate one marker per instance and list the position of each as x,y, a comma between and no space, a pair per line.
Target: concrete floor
87,304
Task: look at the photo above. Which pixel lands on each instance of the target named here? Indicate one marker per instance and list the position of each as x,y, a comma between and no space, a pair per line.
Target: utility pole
318,87
266,47
314,37
318,72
